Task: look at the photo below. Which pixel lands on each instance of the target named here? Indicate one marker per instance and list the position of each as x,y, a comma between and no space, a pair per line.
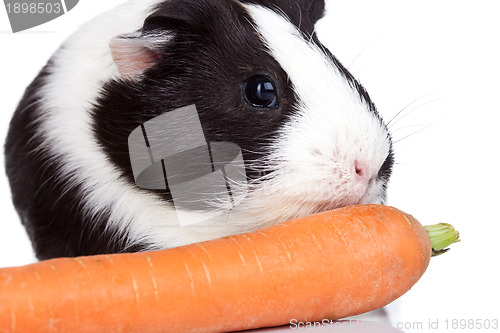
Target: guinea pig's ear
315,9
133,54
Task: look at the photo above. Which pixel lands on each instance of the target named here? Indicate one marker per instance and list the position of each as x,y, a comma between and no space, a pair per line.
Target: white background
442,58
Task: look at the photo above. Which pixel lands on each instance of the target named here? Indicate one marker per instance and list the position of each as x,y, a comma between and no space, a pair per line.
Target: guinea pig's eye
260,91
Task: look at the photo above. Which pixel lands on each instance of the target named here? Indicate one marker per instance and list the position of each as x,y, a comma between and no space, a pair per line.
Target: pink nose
361,172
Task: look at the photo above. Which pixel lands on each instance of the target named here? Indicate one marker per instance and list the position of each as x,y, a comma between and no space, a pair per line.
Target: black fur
302,13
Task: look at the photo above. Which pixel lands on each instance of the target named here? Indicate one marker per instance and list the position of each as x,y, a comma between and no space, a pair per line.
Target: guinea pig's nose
361,172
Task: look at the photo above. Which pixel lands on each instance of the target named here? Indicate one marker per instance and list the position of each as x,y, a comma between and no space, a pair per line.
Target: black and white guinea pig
312,140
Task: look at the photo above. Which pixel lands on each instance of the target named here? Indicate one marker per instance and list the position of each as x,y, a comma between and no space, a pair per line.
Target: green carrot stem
442,235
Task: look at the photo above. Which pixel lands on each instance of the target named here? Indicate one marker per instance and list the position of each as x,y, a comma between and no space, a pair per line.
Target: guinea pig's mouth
371,193
325,205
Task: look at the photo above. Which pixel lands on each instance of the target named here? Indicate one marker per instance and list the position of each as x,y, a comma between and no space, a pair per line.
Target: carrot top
442,235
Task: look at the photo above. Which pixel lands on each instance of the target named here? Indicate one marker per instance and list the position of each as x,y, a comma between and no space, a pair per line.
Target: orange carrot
328,265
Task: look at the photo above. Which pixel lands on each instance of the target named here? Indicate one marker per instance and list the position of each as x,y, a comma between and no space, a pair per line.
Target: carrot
328,265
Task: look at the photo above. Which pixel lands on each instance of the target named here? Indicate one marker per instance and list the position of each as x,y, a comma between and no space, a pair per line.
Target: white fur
331,129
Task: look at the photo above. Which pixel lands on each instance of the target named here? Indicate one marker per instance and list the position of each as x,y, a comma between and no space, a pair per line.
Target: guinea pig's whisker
358,55
417,131
404,127
263,153
404,112
311,37
364,49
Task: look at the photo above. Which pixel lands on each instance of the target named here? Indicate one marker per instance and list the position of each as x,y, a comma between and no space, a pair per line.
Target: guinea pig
310,137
